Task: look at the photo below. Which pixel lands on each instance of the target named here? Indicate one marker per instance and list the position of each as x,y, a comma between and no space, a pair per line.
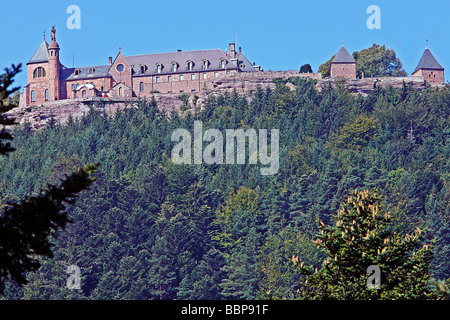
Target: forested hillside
152,229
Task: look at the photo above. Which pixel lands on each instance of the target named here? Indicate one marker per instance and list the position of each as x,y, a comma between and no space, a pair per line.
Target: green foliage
361,238
378,61
325,68
152,229
26,226
306,68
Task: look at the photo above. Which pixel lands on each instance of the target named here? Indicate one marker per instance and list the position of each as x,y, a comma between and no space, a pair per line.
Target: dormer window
142,68
222,63
77,72
190,65
91,70
158,68
174,66
205,64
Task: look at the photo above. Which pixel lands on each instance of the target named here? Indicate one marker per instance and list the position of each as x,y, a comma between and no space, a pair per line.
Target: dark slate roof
343,56
428,61
41,54
181,58
243,63
151,60
99,71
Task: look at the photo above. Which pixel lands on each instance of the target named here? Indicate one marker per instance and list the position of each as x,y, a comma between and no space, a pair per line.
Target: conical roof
41,54
343,56
428,61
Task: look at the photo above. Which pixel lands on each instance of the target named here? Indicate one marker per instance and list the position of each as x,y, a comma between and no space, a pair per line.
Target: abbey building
127,76
173,72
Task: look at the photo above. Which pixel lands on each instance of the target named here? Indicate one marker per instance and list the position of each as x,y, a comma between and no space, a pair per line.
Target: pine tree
361,238
26,226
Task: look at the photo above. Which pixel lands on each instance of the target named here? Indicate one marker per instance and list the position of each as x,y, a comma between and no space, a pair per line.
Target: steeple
343,56
429,68
428,61
343,65
41,54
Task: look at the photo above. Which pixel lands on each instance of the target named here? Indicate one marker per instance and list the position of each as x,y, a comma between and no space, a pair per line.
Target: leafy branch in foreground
25,226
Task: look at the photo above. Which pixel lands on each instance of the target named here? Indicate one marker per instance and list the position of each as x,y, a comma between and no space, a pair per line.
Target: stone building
429,68
343,65
127,76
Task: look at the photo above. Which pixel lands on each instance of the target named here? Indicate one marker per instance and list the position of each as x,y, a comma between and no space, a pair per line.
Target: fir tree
361,238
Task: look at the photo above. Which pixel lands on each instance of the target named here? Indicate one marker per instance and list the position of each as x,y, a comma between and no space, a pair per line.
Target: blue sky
278,35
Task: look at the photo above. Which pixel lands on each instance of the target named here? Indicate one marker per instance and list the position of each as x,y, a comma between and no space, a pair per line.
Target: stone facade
344,70
128,76
435,76
193,72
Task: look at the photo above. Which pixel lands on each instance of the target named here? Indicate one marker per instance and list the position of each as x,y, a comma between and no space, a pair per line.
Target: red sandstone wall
345,70
435,76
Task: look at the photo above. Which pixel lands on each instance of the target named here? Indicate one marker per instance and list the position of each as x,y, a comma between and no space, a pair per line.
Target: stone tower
343,65
54,68
429,68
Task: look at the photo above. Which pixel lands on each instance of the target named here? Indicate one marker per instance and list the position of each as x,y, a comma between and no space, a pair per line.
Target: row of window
174,66
181,77
33,95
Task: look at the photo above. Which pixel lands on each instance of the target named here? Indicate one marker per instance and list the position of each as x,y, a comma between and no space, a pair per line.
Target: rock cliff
244,83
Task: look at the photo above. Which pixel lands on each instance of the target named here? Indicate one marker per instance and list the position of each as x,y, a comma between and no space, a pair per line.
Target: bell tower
54,67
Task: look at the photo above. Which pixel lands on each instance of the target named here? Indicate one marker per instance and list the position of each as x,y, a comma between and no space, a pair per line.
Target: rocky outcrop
244,83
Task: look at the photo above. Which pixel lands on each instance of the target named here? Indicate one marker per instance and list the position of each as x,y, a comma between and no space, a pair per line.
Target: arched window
39,72
91,70
84,94
205,64
120,91
174,66
46,94
141,87
77,72
158,68
142,69
33,96
190,65
222,63
73,86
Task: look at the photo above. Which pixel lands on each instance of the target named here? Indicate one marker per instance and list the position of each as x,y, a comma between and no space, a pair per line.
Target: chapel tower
343,65
54,67
429,68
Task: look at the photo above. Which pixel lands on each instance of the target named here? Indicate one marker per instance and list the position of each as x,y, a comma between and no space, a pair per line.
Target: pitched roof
41,54
181,57
214,56
428,61
97,71
343,56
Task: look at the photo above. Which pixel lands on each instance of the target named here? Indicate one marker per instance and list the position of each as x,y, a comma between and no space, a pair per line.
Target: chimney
110,60
240,49
179,50
233,50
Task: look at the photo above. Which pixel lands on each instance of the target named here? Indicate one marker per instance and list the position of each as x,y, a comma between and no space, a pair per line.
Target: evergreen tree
361,238
25,226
